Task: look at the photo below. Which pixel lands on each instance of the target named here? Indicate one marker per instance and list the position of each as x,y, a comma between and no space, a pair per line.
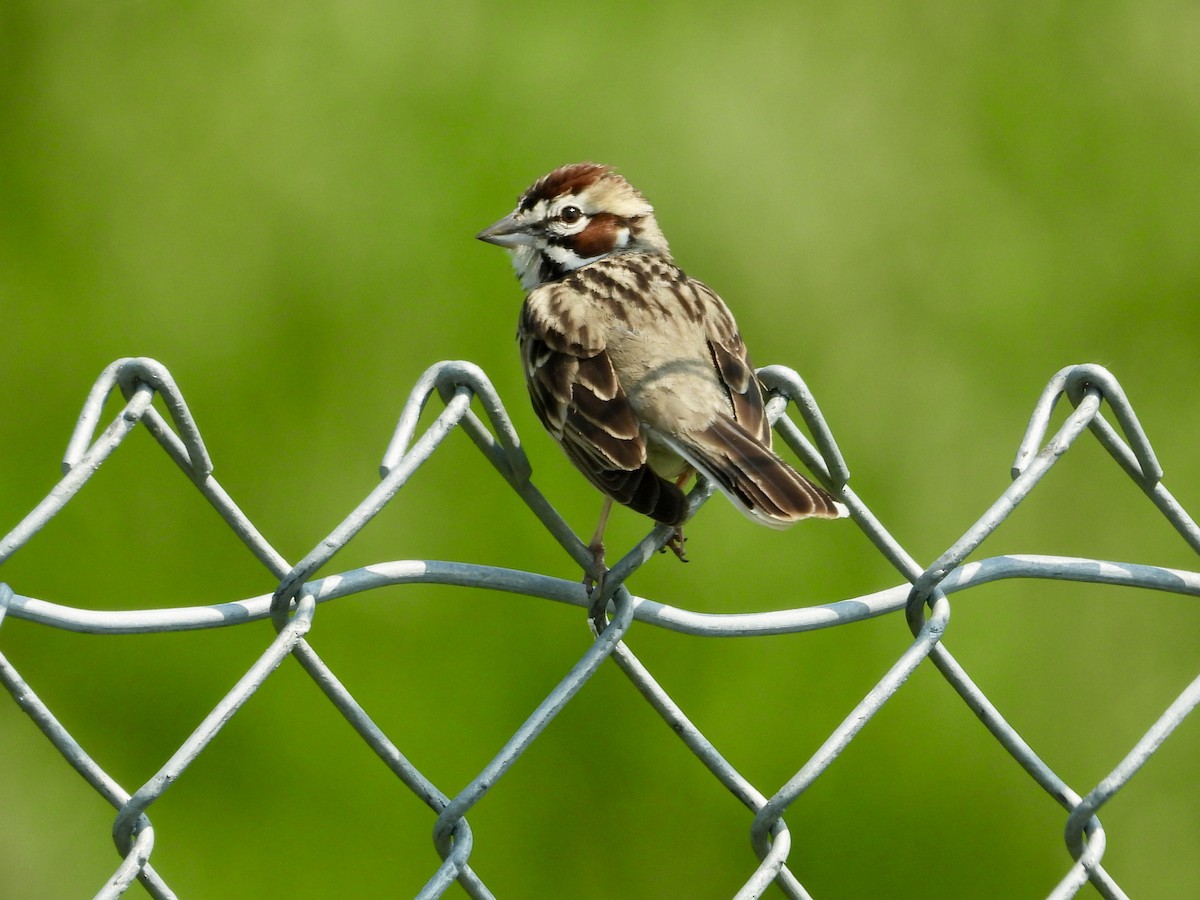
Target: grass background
927,209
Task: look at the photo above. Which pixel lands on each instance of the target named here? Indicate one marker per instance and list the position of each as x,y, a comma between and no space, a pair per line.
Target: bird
637,369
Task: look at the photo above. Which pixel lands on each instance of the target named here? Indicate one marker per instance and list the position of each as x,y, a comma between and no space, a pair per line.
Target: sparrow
637,369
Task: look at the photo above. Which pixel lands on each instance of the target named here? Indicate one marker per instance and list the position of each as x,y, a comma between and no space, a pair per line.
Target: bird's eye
571,214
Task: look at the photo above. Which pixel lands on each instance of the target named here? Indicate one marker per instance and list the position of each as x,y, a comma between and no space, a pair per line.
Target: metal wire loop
923,594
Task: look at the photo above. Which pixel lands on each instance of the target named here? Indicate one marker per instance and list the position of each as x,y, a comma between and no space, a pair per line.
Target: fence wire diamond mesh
923,600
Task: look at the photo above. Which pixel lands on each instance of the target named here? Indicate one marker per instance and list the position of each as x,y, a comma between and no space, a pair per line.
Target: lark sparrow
637,369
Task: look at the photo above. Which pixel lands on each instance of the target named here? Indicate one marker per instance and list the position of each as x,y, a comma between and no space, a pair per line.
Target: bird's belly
663,461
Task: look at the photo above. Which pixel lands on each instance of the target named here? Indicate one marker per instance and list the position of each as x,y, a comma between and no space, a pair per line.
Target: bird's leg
593,578
677,539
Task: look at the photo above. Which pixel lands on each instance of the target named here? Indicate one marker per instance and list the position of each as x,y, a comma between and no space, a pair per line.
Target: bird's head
574,216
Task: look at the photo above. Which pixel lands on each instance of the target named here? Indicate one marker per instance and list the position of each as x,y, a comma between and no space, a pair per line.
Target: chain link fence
923,599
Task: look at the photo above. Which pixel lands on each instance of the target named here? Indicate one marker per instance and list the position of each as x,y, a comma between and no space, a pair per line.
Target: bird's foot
676,543
593,583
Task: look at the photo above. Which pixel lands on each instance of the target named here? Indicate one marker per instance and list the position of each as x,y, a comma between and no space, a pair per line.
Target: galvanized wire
923,598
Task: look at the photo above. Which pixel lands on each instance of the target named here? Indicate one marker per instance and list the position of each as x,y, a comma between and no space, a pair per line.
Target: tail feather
753,477
638,488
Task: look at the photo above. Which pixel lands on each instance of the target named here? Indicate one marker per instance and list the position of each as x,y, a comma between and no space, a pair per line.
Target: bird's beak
508,233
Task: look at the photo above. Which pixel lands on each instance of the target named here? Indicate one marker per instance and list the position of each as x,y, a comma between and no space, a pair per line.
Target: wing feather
579,399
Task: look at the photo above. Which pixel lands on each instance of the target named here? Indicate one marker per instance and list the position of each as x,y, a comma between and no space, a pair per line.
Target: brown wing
580,401
735,452
735,371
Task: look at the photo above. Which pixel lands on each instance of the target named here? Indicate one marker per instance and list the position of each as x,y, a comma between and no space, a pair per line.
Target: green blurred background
927,209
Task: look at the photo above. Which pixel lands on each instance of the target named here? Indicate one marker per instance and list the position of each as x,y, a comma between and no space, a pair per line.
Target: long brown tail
759,483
